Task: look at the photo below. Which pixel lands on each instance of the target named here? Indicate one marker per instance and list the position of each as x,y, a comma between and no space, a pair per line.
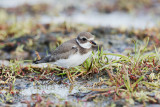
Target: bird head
85,40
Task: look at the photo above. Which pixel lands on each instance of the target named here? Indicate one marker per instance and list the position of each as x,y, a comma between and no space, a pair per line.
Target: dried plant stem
79,74
101,90
110,75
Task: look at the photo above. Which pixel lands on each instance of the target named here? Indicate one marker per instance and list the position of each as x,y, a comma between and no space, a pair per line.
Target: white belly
73,60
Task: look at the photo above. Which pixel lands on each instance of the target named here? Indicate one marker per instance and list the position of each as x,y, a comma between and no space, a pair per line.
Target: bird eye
84,39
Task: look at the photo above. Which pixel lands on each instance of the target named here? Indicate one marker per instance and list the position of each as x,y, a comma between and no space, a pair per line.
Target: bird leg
70,77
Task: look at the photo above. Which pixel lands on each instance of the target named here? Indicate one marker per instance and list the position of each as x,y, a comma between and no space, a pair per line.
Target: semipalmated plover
71,53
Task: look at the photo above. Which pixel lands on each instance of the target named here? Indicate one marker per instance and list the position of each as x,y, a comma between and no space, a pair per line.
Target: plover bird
72,52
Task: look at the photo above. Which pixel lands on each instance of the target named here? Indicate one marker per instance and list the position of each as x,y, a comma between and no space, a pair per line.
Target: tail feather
44,60
38,61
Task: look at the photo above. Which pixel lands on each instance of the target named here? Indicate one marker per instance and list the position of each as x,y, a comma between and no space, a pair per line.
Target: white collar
84,45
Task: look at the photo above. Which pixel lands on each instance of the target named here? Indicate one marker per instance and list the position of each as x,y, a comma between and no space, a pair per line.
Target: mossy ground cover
133,78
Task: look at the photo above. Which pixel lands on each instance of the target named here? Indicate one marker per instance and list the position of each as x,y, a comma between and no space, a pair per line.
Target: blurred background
27,26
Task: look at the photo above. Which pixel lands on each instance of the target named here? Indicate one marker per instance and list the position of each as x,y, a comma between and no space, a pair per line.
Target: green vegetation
131,77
